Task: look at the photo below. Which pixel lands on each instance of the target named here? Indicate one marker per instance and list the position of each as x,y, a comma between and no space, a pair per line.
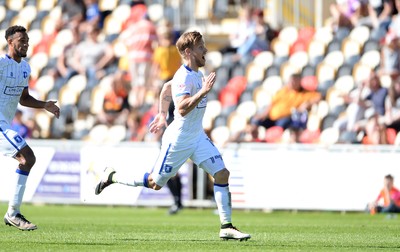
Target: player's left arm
29,101
188,103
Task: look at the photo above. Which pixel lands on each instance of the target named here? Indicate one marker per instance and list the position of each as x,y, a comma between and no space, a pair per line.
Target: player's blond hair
188,40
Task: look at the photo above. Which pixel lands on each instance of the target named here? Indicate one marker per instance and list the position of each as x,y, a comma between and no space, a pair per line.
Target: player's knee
222,175
153,185
28,161
157,187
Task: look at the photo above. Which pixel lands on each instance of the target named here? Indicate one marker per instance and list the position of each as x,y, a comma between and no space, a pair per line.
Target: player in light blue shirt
14,77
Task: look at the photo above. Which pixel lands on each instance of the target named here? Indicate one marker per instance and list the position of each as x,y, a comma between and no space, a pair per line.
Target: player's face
199,52
20,44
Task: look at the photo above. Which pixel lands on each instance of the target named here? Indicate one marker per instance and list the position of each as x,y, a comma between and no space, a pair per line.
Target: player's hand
158,123
209,81
52,108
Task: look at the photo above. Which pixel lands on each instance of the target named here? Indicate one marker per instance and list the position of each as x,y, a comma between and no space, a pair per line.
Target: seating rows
330,62
333,63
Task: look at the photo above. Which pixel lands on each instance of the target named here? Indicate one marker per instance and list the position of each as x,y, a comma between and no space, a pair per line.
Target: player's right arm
160,120
29,101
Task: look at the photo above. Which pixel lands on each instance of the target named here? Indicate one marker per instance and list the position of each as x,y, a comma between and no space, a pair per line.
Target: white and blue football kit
185,137
14,78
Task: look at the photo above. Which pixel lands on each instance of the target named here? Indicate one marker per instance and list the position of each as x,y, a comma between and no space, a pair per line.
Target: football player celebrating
185,137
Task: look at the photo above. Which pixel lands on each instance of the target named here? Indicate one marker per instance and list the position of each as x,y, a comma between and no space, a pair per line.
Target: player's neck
191,66
14,57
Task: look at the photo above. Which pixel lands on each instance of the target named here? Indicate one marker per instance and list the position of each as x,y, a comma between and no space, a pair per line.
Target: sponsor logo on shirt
14,91
202,103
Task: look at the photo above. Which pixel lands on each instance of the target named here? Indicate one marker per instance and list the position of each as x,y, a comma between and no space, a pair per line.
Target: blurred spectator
390,56
291,98
394,26
65,65
363,102
20,126
379,16
94,16
133,125
140,38
392,115
92,57
390,196
245,29
375,131
164,22
166,58
138,9
256,41
115,105
73,13
344,13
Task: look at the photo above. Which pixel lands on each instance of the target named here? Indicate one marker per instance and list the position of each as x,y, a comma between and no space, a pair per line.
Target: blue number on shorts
167,168
18,139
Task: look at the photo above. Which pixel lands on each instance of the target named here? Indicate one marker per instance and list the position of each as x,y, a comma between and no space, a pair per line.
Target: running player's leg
168,164
13,145
211,161
170,159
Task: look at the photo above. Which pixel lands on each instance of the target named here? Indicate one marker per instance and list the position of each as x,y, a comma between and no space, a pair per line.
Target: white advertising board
307,179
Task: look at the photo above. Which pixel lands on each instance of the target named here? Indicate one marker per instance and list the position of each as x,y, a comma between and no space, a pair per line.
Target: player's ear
187,51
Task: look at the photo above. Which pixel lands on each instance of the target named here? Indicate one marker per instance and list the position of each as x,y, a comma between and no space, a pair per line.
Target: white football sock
16,198
134,181
223,199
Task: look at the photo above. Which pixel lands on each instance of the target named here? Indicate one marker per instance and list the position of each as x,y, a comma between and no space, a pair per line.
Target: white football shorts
174,155
10,141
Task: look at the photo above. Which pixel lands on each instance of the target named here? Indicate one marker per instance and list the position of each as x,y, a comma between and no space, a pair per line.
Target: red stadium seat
298,46
228,98
308,136
306,34
391,135
309,83
236,85
274,134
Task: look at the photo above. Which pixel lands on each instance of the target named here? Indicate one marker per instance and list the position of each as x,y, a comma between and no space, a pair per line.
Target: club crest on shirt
181,86
11,75
25,74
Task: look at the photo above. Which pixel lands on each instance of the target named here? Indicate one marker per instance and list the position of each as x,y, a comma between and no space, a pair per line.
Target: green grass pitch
105,228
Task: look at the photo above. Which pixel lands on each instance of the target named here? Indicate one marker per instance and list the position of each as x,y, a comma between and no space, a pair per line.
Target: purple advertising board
61,178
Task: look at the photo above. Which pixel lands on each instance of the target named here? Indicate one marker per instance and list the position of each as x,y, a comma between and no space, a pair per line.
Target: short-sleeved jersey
189,127
14,78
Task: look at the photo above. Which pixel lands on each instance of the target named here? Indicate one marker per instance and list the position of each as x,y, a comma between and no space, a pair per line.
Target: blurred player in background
14,76
185,137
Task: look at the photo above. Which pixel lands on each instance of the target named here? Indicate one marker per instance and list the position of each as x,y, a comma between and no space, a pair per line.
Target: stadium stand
332,61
